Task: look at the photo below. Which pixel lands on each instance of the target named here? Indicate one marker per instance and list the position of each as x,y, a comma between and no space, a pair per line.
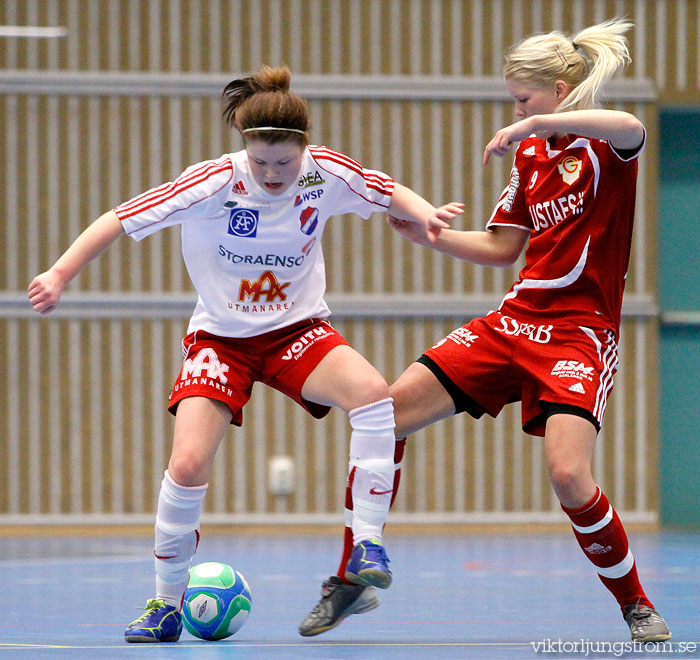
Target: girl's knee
186,469
574,486
374,388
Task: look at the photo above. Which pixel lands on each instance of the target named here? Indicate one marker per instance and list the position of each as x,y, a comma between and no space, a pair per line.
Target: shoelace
328,589
643,617
382,552
152,604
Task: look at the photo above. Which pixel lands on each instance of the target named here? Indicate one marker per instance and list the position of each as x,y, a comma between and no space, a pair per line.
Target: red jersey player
552,342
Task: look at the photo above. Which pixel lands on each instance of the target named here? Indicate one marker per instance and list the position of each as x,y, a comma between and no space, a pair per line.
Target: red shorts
225,368
497,360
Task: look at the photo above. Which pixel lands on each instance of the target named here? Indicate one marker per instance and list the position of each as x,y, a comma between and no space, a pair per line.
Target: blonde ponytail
584,62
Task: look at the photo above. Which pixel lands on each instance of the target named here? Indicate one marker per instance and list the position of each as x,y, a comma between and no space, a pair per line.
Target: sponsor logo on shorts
206,361
306,341
206,369
537,333
572,369
460,336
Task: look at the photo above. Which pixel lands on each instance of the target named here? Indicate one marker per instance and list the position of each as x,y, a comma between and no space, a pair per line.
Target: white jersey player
251,226
254,255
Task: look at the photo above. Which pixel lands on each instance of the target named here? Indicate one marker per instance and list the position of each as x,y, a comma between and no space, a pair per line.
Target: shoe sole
653,638
150,640
359,608
370,577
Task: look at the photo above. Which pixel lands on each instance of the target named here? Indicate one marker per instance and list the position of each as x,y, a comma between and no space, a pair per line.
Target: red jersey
576,198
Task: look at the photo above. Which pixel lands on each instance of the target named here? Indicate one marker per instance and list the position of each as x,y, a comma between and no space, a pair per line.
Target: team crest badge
570,169
243,223
309,220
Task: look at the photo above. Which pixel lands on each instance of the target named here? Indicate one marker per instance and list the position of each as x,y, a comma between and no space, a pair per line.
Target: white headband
272,128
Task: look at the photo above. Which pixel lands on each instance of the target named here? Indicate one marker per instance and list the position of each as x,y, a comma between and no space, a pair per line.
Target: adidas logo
530,151
577,387
239,188
597,549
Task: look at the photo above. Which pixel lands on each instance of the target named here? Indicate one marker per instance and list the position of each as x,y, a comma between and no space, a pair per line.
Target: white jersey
255,259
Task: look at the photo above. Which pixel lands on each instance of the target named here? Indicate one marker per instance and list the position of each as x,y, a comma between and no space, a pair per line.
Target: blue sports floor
506,596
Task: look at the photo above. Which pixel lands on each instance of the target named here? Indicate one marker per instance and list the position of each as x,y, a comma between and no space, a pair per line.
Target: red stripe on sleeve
167,191
374,181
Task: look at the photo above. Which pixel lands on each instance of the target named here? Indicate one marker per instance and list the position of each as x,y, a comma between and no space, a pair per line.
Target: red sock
602,538
348,537
398,457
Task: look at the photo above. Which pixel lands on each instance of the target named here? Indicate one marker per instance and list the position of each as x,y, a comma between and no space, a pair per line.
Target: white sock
177,536
372,467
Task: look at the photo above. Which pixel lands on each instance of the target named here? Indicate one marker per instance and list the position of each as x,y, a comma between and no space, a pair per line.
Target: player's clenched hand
45,291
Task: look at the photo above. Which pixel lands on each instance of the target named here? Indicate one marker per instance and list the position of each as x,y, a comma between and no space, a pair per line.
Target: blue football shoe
160,623
368,565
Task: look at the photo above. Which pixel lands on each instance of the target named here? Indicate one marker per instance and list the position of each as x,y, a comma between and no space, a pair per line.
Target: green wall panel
680,426
679,291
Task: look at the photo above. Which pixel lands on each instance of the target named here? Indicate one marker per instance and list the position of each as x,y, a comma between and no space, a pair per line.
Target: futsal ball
217,601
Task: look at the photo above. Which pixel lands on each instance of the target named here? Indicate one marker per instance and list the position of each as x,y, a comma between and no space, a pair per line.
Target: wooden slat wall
85,398
407,37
